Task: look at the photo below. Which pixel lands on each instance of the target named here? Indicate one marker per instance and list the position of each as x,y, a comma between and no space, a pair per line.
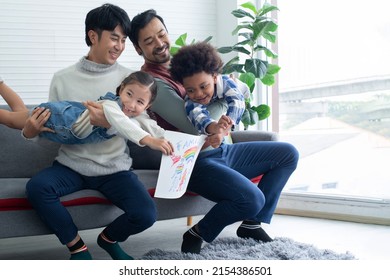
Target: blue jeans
223,175
63,116
123,189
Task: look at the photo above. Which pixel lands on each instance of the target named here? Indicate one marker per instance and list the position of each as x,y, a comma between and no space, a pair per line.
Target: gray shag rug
230,248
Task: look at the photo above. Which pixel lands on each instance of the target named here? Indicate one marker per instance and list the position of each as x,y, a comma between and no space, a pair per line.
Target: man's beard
162,58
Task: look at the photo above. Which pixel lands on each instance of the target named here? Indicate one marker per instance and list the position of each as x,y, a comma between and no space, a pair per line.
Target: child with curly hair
197,67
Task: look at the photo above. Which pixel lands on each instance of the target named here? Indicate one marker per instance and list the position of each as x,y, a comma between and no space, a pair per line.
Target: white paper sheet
176,169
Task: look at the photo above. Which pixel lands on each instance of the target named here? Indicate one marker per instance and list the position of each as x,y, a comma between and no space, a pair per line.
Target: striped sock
192,241
79,251
112,248
252,229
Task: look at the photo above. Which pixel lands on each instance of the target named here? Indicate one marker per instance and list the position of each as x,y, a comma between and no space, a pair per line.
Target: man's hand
35,123
96,114
159,144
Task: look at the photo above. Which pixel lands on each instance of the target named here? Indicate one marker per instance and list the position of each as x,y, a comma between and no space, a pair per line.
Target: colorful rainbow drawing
190,154
175,159
183,178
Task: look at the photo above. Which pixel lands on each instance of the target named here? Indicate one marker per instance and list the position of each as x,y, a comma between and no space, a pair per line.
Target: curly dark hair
193,59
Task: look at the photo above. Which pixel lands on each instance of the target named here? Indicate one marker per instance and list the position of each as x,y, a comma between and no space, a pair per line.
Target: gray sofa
21,159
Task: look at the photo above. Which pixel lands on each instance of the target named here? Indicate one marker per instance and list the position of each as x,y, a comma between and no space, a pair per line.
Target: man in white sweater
103,166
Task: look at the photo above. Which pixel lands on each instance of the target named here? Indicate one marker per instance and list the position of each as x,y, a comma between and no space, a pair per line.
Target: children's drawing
176,169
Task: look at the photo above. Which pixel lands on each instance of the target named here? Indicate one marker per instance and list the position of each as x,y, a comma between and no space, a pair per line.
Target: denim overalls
63,116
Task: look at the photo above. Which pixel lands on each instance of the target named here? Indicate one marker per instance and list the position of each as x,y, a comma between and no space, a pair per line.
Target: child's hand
159,144
225,124
214,140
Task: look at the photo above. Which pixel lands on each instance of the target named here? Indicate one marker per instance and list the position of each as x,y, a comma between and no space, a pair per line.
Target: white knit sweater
83,81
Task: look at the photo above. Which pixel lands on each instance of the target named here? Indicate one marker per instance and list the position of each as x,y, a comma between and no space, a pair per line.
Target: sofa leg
189,220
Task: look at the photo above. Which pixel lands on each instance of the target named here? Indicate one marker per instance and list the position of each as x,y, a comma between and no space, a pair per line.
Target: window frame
336,207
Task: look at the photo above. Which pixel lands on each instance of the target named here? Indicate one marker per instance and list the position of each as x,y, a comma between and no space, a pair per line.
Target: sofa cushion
13,197
13,194
27,157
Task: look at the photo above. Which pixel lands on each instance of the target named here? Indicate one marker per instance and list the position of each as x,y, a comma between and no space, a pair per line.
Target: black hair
193,59
106,17
144,79
140,21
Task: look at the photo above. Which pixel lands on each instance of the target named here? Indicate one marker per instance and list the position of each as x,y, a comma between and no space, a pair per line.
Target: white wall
37,38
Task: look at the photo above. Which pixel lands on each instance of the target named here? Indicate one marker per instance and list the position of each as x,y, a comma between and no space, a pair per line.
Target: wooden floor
365,241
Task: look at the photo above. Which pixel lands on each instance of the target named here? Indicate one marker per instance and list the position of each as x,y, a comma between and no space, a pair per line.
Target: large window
334,96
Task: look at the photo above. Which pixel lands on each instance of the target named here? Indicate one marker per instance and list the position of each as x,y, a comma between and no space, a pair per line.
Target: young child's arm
131,130
11,97
234,98
159,144
198,115
96,114
223,126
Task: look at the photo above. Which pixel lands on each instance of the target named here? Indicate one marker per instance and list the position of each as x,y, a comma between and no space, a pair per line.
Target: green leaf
256,66
249,117
225,49
181,41
248,78
263,111
262,29
270,53
240,13
250,6
247,35
267,8
268,79
241,50
234,60
208,39
273,69
227,69
267,51
242,26
232,66
270,37
173,50
271,26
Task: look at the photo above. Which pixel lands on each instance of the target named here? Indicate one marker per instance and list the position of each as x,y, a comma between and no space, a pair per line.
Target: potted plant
255,30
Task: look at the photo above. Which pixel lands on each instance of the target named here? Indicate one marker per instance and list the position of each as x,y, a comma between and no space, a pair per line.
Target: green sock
83,255
112,248
79,251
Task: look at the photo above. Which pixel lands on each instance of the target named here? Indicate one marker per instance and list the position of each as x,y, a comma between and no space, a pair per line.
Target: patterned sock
112,248
192,241
79,251
252,229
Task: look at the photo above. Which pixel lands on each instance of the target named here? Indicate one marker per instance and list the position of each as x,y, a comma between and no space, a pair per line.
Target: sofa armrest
253,135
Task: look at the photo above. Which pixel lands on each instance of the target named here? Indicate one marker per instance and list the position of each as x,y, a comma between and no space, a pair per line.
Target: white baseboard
353,209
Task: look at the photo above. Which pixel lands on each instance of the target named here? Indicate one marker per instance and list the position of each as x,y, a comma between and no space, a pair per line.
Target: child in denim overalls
69,122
